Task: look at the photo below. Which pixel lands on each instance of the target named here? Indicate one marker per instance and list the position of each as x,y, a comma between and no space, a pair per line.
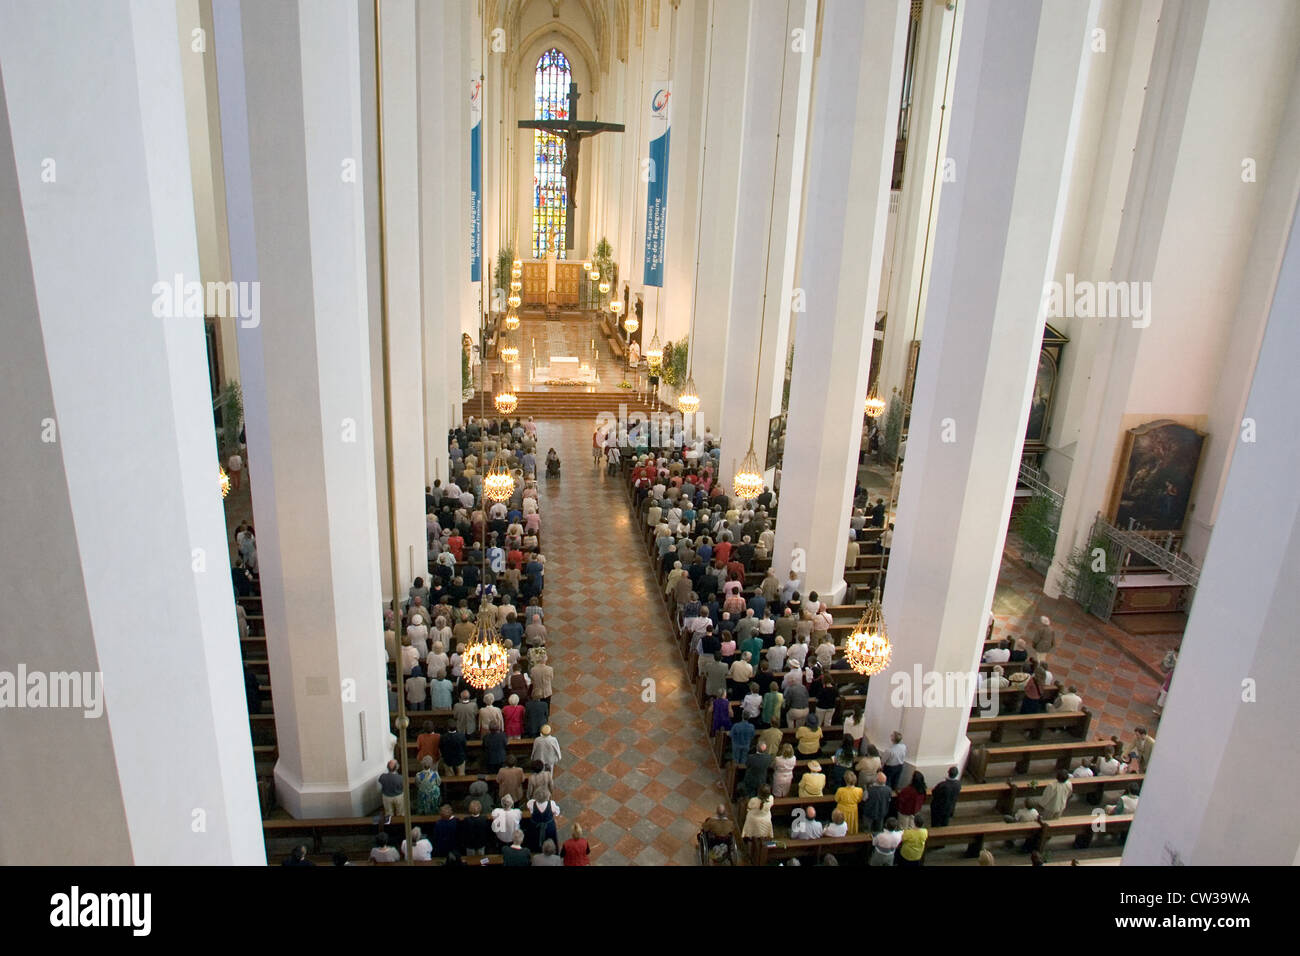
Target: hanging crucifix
572,133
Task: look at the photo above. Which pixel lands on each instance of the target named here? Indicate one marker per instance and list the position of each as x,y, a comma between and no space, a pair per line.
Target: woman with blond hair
783,771
847,799
758,814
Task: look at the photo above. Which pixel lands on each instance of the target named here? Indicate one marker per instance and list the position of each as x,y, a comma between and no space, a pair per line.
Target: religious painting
1041,404
775,441
1156,476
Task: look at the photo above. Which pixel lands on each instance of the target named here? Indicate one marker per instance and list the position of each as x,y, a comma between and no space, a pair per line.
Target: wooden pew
847,849
1076,724
973,835
1085,828
1023,755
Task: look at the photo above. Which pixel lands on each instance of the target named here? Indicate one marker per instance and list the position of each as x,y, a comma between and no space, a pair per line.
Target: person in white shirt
825,653
1068,703
799,653
417,691
894,758
1083,770
804,824
1128,802
838,826
752,704
422,848
776,654
1107,765
792,677
998,655
383,853
418,632
410,656
885,843
506,820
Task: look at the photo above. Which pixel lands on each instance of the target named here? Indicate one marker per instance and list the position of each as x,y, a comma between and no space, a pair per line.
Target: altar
564,369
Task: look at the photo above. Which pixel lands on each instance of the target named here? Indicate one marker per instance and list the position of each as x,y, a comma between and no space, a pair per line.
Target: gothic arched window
549,199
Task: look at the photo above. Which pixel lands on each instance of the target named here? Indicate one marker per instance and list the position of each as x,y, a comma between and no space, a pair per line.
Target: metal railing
1162,556
1032,478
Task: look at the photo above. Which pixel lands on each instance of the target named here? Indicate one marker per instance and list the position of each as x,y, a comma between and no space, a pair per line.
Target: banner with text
656,195
475,179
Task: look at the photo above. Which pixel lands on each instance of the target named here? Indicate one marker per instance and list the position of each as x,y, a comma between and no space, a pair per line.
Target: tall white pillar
851,159
937,55
1230,714
110,480
723,85
440,226
770,181
401,218
293,131
1015,115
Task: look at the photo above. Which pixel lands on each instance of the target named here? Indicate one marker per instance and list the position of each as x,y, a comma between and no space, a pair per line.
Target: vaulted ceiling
609,26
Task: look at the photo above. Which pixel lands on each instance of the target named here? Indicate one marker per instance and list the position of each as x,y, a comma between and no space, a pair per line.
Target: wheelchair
710,851
553,468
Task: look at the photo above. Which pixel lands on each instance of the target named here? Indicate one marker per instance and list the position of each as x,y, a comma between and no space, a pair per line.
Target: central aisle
637,772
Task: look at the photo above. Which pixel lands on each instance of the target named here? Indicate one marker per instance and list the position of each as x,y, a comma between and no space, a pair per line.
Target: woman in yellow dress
847,799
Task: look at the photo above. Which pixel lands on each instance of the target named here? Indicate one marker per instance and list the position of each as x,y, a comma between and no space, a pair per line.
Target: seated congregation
784,709
483,760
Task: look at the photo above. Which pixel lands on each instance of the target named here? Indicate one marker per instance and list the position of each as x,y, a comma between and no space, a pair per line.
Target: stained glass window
549,192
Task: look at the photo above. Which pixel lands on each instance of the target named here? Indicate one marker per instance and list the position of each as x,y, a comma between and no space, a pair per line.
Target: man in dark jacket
875,805
944,799
756,770
453,750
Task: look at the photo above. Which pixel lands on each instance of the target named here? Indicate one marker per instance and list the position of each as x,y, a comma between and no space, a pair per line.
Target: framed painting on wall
1157,472
1040,407
775,441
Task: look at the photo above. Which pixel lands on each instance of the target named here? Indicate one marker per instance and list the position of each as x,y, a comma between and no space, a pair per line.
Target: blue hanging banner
656,194
475,180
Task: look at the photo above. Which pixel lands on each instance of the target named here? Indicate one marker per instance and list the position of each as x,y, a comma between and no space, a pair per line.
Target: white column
851,159
292,128
724,87
110,475
937,55
402,189
1014,123
440,226
1230,714
690,52
765,235
199,69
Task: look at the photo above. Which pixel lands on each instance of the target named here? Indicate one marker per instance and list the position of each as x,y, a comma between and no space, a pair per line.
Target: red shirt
515,558
909,800
575,852
513,714
722,552
429,746
456,544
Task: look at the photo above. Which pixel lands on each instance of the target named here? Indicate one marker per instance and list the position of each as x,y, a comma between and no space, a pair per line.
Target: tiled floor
637,772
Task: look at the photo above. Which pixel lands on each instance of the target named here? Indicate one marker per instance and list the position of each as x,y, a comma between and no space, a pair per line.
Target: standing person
1043,639
894,758
875,806
910,800
911,851
392,788
428,788
847,799
758,815
783,771
546,749
1141,749
943,802
541,817
576,849
236,468
885,843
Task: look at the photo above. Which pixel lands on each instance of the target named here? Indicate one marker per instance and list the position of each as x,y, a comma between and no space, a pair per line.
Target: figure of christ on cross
573,133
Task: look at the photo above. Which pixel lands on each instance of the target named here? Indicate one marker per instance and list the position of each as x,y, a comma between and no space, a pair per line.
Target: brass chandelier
867,648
